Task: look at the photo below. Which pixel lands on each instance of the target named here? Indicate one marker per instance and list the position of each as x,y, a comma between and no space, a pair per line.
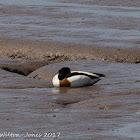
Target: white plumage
67,78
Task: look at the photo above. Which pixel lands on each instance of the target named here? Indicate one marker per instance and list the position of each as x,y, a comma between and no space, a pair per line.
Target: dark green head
63,73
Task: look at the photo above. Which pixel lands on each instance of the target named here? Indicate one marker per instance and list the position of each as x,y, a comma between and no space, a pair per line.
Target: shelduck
68,78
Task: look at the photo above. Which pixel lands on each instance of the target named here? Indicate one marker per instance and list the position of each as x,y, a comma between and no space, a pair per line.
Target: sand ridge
57,52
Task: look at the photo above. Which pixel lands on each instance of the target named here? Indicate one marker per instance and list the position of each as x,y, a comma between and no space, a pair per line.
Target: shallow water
72,22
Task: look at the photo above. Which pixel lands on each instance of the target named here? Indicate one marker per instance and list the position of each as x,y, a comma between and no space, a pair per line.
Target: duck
68,78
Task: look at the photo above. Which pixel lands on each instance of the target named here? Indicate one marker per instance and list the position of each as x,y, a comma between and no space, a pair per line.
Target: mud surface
39,37
101,30
108,110
103,23
21,66
55,52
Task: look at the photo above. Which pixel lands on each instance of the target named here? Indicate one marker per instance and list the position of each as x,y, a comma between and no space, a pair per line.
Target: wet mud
21,66
107,110
103,23
39,37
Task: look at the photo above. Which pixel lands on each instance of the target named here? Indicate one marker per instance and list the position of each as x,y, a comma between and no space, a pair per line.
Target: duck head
63,73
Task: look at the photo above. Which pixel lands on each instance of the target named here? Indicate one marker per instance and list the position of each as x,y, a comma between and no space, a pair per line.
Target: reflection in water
67,96
70,96
89,89
61,90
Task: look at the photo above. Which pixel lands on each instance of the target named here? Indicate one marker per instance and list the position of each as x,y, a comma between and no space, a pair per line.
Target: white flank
81,81
78,80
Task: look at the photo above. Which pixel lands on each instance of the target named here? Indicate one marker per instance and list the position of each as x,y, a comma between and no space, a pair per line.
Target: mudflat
94,36
32,108
103,23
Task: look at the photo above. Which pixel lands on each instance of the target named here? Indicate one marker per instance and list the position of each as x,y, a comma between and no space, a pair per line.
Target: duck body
67,78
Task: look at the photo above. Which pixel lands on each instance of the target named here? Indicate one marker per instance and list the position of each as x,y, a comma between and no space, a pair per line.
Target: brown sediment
56,52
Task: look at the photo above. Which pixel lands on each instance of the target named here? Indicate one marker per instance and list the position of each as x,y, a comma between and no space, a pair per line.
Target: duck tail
100,75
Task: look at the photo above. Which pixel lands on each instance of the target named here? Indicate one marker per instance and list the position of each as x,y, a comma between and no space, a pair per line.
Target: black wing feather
77,73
